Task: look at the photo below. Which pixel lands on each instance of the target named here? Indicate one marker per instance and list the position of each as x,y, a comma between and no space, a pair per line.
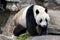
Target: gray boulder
46,37
54,25
4,37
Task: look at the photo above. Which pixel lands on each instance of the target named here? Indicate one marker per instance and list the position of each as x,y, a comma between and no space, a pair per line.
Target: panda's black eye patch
40,20
37,12
46,10
46,20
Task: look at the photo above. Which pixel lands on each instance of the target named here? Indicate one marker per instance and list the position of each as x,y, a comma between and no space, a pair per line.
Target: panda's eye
37,12
46,20
46,10
40,20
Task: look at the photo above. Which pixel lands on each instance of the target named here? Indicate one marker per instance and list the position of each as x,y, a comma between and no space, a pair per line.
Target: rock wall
54,25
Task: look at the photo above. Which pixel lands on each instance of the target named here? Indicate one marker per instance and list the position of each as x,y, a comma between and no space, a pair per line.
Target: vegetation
23,36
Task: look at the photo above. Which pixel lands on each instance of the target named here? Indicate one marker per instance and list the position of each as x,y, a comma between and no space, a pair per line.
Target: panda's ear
37,11
46,10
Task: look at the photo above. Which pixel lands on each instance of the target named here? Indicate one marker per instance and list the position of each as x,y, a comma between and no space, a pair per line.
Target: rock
25,3
7,28
13,0
58,1
54,25
13,6
46,37
3,37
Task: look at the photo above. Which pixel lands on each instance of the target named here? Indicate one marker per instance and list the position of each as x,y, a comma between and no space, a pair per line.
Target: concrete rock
3,37
58,1
54,25
46,37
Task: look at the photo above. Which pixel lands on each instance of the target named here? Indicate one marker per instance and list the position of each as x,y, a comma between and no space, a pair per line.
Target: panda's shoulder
19,13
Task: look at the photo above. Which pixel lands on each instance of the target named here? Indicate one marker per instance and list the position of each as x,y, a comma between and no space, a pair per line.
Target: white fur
22,19
42,15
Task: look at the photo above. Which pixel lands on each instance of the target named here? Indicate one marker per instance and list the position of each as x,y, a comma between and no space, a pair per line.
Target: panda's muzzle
42,30
44,25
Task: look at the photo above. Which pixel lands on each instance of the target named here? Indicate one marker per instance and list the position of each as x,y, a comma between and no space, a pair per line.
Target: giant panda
31,19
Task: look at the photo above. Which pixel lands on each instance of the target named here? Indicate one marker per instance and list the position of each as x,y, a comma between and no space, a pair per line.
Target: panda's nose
44,25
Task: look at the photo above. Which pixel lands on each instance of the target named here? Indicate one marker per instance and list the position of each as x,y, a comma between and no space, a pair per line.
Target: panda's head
41,16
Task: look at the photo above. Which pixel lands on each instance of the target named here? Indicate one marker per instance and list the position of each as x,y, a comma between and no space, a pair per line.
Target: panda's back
20,17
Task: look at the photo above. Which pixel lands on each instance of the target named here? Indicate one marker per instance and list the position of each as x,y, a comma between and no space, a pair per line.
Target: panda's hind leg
19,29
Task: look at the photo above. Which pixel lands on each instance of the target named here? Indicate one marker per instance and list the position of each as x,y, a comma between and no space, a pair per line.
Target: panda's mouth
41,30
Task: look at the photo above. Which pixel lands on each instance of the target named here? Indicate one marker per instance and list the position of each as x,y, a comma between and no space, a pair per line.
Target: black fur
41,20
19,29
46,10
43,30
37,12
31,22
